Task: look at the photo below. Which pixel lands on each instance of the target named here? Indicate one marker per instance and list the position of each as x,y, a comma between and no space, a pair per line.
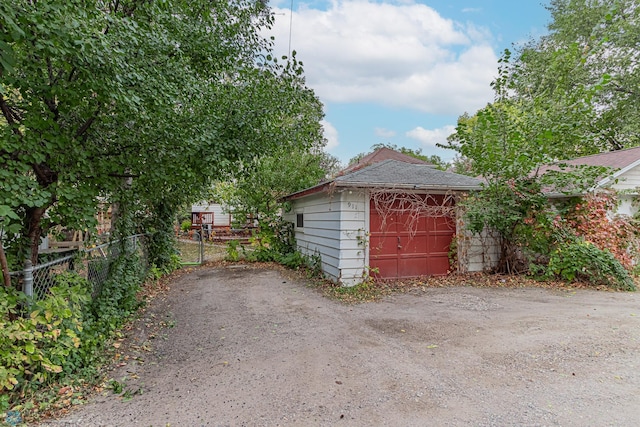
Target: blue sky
401,72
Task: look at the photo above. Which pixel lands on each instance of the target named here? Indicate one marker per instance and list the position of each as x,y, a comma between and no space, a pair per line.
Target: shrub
44,345
592,219
185,225
117,299
577,259
162,252
294,260
233,254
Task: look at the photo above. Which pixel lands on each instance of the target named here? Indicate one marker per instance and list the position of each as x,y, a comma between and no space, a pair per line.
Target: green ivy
117,299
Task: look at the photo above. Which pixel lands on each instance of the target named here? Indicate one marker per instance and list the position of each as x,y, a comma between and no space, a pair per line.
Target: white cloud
331,134
399,55
431,137
384,133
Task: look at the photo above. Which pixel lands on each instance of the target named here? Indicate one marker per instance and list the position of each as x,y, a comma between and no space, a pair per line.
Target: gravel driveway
246,346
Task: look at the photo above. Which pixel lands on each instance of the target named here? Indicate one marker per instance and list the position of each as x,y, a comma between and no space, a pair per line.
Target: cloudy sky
401,72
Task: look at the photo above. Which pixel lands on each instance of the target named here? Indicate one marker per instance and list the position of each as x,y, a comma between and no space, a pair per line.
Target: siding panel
334,227
629,180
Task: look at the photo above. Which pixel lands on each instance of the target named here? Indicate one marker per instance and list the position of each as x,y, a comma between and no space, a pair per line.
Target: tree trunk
34,221
5,266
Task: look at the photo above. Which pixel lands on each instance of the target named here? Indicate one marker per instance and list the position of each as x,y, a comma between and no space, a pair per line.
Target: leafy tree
602,39
570,93
256,191
507,143
139,103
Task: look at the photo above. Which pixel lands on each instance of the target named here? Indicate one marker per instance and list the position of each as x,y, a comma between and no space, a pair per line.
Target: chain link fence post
201,260
27,285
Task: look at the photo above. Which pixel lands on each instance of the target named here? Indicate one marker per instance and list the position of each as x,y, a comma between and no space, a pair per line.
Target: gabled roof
383,154
620,161
394,174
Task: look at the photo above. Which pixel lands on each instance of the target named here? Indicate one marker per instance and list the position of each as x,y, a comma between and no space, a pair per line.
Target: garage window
299,220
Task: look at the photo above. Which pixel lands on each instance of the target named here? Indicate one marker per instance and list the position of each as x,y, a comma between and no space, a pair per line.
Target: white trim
617,174
367,226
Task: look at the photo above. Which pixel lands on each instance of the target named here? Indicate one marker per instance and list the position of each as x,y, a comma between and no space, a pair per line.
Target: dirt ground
245,346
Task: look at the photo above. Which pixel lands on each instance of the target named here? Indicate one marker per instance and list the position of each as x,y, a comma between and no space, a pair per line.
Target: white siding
334,227
626,206
630,180
476,252
354,216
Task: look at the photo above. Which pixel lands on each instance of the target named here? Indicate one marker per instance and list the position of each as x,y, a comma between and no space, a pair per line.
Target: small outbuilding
389,219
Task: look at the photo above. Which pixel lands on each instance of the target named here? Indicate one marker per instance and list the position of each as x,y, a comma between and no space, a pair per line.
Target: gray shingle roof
614,159
396,174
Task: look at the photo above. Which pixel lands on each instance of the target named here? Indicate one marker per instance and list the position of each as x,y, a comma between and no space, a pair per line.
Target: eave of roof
617,174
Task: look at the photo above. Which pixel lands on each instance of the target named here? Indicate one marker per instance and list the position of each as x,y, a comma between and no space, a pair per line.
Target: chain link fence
196,251
92,264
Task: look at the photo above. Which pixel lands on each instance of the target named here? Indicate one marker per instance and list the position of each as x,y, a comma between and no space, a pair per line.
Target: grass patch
190,251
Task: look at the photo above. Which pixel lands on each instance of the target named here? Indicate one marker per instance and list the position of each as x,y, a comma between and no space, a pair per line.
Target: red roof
380,155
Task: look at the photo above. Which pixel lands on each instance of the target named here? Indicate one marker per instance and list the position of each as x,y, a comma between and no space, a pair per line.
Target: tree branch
87,124
9,116
124,175
621,89
53,107
72,74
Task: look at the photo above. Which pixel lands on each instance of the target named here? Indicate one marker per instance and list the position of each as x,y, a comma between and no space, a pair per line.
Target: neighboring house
625,176
210,216
390,219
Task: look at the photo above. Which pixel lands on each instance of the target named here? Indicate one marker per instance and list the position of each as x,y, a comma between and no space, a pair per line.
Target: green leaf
29,347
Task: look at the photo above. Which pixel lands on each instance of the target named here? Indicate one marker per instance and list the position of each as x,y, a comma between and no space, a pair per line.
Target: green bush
162,252
577,259
63,336
44,345
233,254
266,246
185,225
294,260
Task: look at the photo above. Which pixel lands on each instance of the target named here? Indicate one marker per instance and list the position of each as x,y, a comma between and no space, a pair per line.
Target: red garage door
401,246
